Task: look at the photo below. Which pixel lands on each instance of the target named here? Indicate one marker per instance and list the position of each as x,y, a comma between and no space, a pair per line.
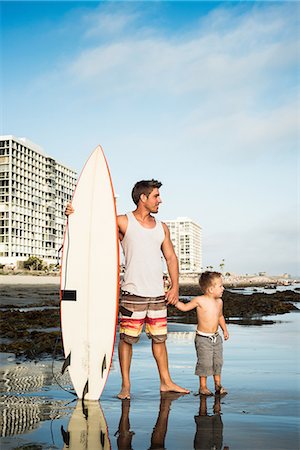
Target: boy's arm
187,306
222,324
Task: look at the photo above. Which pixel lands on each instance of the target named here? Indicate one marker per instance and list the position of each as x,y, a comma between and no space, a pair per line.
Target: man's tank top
143,259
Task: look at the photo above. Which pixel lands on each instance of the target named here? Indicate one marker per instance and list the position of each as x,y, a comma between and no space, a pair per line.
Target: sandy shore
29,279
232,281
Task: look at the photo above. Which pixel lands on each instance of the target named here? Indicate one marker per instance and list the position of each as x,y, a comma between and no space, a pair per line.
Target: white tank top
143,259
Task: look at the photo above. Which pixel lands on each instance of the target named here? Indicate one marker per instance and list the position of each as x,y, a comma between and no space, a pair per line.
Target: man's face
153,201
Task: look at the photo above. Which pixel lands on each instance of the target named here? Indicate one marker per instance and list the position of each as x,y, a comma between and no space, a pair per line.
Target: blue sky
203,96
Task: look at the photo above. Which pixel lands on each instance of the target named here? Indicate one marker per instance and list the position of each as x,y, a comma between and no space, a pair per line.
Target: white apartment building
187,240
34,191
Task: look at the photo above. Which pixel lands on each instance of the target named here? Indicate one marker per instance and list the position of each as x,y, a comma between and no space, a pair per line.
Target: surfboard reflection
87,428
125,435
209,427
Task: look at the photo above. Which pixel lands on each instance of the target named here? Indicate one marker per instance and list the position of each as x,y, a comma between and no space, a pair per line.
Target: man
143,299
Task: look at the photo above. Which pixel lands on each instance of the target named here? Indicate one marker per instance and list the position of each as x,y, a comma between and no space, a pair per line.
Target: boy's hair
144,187
206,279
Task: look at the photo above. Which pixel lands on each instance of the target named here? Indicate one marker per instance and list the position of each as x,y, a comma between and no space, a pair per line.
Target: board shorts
209,351
135,311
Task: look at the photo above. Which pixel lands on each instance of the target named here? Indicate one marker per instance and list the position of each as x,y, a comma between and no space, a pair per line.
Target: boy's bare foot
205,391
220,390
124,394
172,387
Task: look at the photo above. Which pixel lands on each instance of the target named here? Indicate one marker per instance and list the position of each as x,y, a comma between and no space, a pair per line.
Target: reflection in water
21,379
87,428
125,435
209,432
22,414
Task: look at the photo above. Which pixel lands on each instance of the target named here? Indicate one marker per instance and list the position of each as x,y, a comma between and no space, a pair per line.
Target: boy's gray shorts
209,356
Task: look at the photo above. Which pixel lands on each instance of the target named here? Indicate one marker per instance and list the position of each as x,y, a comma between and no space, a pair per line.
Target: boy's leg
218,363
219,389
217,380
203,386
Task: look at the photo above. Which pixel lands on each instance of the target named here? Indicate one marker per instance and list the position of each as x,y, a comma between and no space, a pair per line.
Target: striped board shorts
136,311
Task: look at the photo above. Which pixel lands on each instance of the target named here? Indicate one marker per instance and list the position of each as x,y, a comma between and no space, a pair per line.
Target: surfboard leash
56,342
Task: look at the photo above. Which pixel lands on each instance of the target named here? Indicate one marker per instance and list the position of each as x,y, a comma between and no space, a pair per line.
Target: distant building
187,240
34,190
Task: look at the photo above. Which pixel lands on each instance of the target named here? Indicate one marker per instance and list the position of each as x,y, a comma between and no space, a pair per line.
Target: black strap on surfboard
70,295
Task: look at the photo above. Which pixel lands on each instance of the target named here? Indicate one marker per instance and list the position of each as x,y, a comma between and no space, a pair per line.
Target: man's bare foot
172,387
124,394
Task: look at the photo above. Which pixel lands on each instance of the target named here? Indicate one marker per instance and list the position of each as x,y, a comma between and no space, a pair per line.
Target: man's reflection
209,432
125,435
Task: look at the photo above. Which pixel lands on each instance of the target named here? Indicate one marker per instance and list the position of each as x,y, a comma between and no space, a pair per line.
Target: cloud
107,21
234,50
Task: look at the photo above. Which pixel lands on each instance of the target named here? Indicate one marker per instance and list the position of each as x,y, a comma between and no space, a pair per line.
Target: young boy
208,342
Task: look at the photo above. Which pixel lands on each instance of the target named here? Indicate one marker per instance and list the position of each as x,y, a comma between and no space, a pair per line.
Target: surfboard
87,428
89,284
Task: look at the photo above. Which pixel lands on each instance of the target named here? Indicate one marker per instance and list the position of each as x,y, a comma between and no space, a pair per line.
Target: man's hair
144,187
207,278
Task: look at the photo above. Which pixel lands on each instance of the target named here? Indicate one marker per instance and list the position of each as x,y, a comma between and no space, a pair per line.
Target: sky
203,96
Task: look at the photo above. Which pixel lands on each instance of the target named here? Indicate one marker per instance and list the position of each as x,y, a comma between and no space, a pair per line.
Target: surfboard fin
65,436
86,389
102,438
103,365
85,410
66,363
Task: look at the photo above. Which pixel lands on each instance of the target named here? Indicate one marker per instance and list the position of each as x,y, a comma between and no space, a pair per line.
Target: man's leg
132,315
160,354
125,355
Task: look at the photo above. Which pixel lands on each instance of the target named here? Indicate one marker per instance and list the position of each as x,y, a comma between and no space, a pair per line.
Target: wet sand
260,412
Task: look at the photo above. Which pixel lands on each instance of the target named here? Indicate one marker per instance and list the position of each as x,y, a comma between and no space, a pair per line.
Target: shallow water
260,412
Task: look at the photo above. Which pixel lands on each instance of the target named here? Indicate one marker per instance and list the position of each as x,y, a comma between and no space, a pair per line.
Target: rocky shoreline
30,316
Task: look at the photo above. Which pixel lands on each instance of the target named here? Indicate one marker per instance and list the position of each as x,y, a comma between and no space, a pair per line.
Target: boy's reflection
124,439
209,432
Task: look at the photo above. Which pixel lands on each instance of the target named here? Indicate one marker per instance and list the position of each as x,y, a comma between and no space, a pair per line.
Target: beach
260,412
33,303
260,371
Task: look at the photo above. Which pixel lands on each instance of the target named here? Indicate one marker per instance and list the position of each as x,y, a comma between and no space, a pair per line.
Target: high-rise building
34,191
186,238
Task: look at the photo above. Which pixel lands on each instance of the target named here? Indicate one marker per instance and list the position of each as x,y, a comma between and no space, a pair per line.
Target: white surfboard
90,280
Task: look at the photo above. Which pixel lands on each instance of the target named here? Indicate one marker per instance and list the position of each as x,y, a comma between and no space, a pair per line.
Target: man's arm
172,264
122,222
